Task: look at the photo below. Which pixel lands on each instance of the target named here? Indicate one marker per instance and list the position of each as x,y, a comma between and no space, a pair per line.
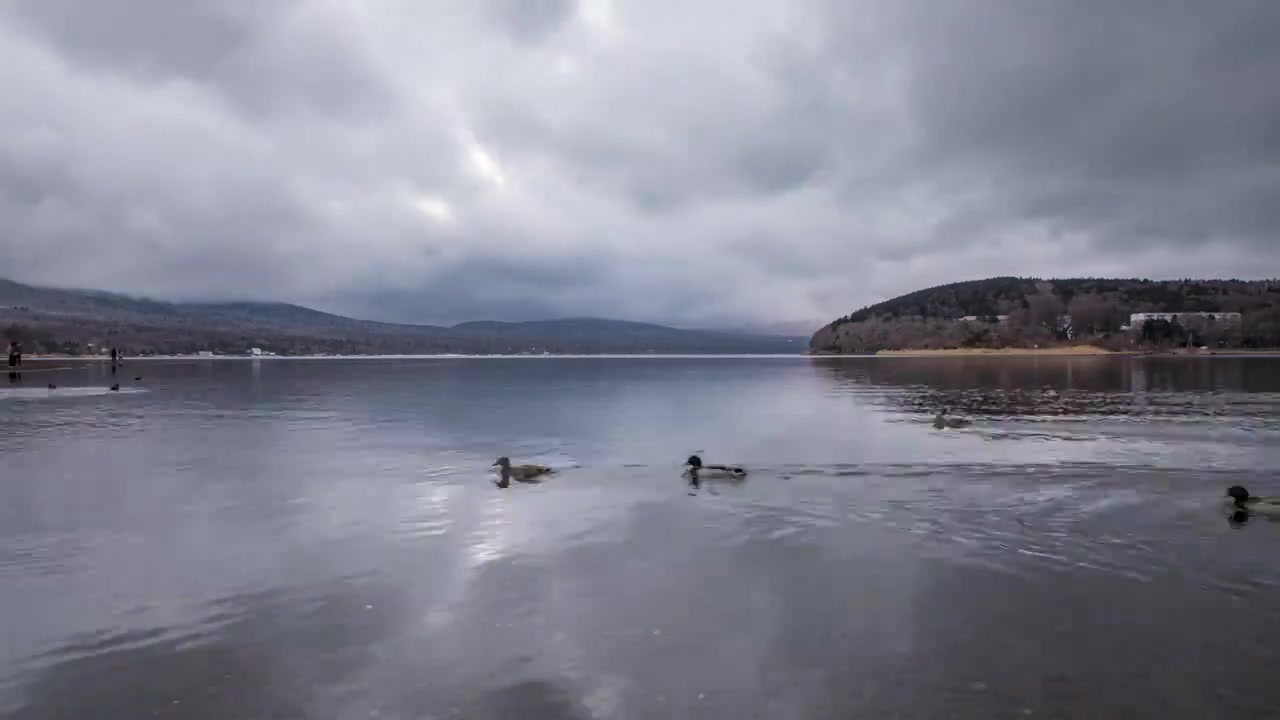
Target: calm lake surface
322,539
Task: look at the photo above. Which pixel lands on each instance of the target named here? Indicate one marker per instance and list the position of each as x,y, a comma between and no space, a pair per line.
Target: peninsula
1010,316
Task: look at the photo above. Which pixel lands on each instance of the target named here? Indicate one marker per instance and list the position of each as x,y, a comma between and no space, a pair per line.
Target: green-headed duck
697,469
1240,499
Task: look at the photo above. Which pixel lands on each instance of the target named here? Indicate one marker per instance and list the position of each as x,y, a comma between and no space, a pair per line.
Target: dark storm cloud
722,160
1136,122
258,55
531,20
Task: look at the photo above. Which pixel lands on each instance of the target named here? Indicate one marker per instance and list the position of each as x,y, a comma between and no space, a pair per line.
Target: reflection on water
322,539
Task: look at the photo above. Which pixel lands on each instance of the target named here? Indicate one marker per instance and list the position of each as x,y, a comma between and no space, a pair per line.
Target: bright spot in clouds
484,164
435,208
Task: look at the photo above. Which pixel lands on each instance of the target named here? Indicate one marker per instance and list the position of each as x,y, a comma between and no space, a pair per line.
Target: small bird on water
942,421
1241,500
520,473
697,469
115,388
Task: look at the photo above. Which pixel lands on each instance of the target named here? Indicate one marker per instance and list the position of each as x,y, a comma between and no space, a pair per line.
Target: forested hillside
1025,312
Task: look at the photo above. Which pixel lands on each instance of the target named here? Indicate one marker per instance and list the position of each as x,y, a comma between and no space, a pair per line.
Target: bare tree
1262,327
1044,311
1089,313
1196,327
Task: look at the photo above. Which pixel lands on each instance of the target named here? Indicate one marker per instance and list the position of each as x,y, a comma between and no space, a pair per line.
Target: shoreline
1067,351
273,358
1081,351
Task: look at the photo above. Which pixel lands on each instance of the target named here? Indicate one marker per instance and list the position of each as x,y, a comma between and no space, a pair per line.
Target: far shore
1068,351
50,357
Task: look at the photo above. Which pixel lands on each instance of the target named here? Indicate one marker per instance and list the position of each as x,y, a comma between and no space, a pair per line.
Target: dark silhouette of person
15,361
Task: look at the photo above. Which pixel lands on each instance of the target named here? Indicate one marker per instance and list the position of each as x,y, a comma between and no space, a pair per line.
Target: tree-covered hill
1020,312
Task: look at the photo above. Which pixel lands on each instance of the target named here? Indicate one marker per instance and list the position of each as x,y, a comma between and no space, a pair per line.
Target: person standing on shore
15,361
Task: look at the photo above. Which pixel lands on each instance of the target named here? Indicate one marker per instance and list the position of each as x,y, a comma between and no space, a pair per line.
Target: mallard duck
697,469
52,386
1240,499
941,421
519,473
115,388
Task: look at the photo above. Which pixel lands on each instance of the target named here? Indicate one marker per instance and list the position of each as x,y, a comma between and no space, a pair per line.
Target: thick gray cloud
717,161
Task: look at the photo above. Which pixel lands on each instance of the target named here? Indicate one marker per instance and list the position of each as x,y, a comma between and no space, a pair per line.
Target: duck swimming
942,421
1241,500
520,473
115,388
697,469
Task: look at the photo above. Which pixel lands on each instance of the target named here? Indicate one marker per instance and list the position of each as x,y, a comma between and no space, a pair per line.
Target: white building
256,352
1137,319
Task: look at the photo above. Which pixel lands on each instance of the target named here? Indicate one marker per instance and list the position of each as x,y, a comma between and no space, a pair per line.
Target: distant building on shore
984,318
1136,319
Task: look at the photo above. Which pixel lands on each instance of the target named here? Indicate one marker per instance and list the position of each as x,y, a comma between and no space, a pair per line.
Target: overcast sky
685,161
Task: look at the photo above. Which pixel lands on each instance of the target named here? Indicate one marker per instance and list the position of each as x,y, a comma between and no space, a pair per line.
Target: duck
115,388
520,473
697,469
1241,500
941,421
52,386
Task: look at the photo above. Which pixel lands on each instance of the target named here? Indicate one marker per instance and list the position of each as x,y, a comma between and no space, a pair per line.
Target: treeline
1027,312
75,337
68,339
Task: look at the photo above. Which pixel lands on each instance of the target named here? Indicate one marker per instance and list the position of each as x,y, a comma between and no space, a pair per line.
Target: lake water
322,539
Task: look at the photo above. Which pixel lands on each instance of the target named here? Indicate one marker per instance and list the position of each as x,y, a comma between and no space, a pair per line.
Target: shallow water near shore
322,539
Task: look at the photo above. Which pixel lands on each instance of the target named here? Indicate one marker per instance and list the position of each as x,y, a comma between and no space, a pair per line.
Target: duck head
1238,493
694,462
503,462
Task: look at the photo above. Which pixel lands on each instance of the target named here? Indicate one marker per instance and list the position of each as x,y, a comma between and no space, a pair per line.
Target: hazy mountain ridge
794,329
56,320
1024,312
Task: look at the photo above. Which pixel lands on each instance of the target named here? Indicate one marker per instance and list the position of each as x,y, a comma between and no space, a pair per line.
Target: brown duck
519,473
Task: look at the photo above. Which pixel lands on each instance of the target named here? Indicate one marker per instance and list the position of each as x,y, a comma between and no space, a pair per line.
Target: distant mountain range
71,321
800,328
